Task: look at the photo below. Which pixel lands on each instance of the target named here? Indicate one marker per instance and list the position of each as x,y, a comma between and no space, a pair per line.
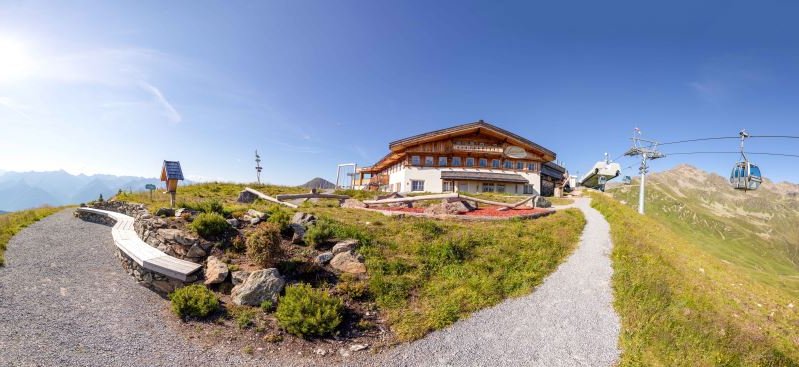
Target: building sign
470,146
515,152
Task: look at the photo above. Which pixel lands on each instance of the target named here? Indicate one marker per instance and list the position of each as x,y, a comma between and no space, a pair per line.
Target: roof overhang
483,176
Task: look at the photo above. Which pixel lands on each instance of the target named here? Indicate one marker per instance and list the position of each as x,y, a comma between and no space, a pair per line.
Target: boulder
260,286
239,277
344,246
215,271
184,211
165,212
196,252
348,262
298,231
324,258
352,203
542,202
233,222
246,197
255,220
303,219
256,214
453,208
178,236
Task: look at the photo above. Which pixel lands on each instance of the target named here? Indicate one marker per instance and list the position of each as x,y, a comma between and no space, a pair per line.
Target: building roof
482,176
552,170
171,171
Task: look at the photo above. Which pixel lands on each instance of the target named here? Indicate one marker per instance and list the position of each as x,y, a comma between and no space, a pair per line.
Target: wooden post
172,199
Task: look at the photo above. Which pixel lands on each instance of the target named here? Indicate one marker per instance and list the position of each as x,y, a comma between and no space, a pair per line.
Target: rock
320,352
215,271
542,202
324,258
303,219
196,251
165,212
343,352
256,214
453,208
184,211
344,246
358,347
255,220
352,203
176,235
260,286
298,231
239,277
348,262
246,197
233,222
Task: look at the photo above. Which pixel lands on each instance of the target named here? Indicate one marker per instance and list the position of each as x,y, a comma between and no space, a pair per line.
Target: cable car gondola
745,175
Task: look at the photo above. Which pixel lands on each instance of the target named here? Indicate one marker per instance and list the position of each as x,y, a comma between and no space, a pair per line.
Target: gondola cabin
745,176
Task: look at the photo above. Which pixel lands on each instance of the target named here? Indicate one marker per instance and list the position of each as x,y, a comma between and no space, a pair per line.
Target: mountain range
756,230
23,190
318,183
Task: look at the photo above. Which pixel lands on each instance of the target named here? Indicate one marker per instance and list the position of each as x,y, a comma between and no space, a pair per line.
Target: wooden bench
148,257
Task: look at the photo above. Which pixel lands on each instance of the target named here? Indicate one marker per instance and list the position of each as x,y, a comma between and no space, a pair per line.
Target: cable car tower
647,149
258,167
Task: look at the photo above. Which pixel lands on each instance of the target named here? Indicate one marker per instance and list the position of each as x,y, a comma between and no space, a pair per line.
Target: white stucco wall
433,183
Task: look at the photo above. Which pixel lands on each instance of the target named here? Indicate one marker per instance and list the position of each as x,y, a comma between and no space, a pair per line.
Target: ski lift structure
745,175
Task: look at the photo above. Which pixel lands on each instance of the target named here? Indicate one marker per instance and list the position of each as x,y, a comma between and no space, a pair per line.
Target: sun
15,61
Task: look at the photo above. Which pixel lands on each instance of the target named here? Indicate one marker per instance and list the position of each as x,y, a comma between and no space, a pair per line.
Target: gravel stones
215,271
260,286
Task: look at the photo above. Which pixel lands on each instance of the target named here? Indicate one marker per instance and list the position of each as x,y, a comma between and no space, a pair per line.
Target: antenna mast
258,167
647,149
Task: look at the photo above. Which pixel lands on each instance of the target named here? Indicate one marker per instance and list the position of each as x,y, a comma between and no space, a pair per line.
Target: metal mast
258,167
647,149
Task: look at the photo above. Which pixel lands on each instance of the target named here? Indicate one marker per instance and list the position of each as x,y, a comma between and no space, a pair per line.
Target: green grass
12,223
427,274
682,305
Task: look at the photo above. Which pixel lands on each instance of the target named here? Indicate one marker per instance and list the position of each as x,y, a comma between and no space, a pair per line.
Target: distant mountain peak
318,183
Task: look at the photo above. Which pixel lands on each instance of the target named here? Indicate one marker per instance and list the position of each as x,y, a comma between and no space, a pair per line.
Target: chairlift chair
745,175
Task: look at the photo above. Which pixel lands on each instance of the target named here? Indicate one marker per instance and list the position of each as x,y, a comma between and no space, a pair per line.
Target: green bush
209,225
349,285
267,305
263,244
205,206
319,233
280,217
193,301
305,311
245,318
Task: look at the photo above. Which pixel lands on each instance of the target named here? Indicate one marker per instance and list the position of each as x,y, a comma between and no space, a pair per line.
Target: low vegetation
210,225
681,305
306,311
12,223
263,244
194,300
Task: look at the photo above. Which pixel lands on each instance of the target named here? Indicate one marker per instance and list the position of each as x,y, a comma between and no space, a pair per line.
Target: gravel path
65,301
568,321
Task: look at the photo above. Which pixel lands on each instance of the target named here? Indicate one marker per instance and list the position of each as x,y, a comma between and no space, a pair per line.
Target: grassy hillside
756,230
424,274
681,305
12,223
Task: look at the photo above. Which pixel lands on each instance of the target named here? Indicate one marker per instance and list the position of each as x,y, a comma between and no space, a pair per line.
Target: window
508,164
417,185
456,161
428,161
447,186
442,161
519,165
500,187
528,189
469,162
415,160
531,166
495,163
463,187
483,162
488,187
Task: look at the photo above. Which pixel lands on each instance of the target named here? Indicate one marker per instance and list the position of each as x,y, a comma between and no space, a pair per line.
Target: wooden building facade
474,157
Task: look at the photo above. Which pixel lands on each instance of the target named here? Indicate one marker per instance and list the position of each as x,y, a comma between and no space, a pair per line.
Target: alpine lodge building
474,157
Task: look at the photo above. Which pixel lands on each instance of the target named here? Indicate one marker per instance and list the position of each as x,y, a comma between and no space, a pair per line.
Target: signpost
150,187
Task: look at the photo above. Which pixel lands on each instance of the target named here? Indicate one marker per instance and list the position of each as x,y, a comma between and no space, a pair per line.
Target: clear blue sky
316,83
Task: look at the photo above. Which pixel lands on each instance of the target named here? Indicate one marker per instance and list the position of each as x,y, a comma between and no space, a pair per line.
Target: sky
116,87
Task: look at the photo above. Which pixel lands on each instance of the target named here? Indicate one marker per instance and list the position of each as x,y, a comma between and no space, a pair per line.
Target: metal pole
643,185
338,172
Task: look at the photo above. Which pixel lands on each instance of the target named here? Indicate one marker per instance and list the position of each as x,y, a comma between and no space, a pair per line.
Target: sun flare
15,61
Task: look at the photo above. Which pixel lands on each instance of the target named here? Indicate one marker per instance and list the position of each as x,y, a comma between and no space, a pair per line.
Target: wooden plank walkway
146,256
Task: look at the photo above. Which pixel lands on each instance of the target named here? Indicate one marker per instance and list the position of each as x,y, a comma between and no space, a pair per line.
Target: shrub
245,318
193,301
350,286
319,233
267,305
305,311
210,225
280,217
263,244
